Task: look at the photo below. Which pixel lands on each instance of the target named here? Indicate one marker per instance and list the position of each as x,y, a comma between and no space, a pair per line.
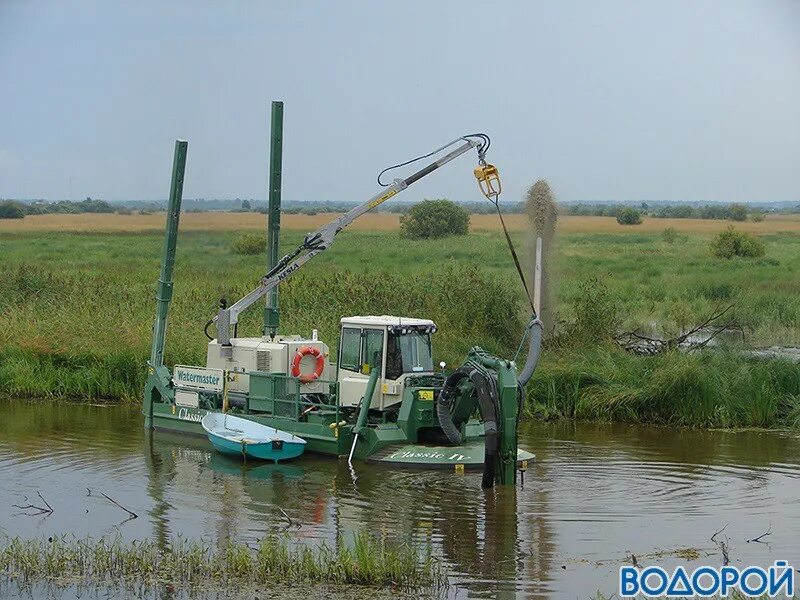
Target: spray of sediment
542,216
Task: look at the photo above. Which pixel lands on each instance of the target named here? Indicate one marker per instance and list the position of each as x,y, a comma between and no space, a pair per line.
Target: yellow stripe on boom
382,199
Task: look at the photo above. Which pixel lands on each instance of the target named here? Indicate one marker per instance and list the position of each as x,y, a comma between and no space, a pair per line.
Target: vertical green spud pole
271,312
509,414
164,287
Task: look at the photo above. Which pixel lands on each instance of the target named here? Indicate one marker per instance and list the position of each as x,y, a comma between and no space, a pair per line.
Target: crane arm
321,240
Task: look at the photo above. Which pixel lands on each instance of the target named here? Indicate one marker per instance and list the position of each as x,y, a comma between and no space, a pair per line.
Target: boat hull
236,436
275,451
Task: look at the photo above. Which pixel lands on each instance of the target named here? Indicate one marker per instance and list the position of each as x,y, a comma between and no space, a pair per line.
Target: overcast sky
611,100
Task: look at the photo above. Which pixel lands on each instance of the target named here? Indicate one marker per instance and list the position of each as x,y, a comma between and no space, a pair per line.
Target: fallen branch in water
722,544
110,499
723,547
758,539
635,342
716,533
40,510
289,519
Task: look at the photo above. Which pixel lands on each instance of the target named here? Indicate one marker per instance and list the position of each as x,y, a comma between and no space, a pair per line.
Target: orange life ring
318,369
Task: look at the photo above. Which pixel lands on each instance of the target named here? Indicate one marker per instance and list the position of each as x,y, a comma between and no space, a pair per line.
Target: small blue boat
242,437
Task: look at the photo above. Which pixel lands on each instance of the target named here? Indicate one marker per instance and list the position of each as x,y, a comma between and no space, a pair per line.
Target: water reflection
475,532
595,493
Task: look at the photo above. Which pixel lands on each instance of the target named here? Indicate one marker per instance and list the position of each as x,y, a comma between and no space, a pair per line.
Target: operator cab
400,345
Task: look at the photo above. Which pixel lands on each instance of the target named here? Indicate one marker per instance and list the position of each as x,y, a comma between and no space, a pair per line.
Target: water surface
596,494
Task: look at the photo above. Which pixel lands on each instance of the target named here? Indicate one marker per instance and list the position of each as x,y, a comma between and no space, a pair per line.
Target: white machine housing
353,384
269,356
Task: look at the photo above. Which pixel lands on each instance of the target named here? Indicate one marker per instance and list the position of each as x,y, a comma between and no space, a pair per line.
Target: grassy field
76,307
227,221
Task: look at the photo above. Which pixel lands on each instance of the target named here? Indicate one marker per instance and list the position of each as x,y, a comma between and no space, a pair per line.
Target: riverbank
710,389
76,311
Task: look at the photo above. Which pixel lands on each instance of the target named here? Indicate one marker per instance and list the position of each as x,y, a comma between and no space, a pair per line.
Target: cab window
408,353
350,354
373,343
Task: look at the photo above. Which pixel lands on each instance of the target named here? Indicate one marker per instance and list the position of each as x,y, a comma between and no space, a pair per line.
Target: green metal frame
158,379
164,287
271,311
279,395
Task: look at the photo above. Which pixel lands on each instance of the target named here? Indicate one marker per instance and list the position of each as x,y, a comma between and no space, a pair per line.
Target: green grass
711,389
366,561
76,311
676,284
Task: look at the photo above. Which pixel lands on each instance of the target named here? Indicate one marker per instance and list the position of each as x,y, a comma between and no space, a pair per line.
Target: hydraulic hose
205,329
486,392
534,350
445,403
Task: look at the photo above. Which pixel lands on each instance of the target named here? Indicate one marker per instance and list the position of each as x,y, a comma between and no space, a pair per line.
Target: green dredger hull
386,444
326,428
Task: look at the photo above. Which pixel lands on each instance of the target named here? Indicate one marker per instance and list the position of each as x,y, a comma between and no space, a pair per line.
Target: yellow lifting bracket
488,180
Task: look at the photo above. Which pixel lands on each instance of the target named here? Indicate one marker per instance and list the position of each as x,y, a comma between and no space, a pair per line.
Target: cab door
360,351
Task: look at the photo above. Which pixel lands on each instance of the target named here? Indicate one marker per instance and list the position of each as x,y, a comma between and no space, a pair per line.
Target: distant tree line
313,207
730,212
657,209
593,210
722,212
12,209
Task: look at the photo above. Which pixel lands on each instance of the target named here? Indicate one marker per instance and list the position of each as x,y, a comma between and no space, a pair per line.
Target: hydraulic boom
321,240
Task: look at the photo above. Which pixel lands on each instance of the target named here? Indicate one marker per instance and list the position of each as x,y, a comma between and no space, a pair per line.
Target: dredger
381,400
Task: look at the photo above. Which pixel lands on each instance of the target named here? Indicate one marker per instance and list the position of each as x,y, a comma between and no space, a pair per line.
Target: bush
730,243
738,212
716,211
434,219
249,243
629,216
683,211
596,313
35,208
757,217
11,210
669,235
